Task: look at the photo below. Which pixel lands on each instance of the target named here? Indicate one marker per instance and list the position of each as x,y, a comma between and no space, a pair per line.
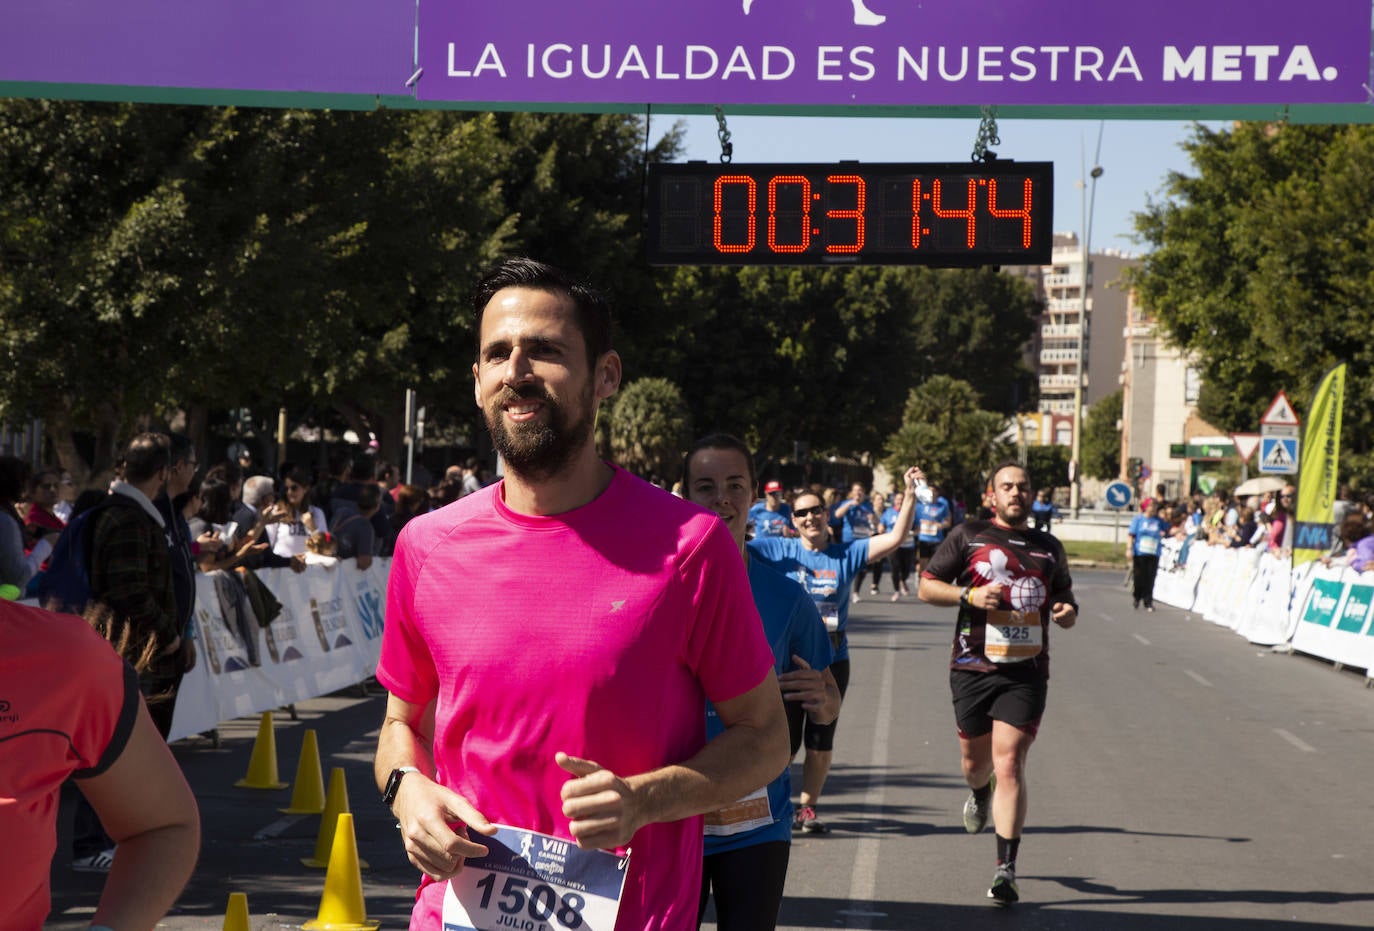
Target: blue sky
1136,155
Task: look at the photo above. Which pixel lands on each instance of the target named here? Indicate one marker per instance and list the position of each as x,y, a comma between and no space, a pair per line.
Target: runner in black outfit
1009,582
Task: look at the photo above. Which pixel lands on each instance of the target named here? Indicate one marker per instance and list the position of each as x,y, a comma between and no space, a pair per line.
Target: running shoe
896,596
1003,888
95,863
855,598
975,815
807,822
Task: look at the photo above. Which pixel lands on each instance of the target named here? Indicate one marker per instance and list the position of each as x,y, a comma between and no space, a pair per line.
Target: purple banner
320,46
798,53
896,52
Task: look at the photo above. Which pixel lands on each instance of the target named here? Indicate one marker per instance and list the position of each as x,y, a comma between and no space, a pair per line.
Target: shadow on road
804,913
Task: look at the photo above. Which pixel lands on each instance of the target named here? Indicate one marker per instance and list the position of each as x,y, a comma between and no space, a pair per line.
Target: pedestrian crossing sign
1279,455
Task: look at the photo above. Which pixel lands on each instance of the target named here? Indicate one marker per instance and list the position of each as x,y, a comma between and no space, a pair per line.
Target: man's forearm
939,593
398,744
736,762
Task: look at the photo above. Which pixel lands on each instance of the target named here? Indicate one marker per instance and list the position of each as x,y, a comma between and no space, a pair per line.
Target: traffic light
1133,466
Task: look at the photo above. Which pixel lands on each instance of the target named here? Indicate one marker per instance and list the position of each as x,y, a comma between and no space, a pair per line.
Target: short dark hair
369,496
1007,464
179,448
228,471
14,474
717,441
146,455
591,309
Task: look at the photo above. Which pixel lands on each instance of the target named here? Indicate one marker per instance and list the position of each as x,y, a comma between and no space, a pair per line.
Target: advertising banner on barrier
1334,617
327,637
792,53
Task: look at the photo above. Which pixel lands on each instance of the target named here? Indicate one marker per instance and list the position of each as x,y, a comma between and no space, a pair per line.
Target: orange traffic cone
341,906
236,916
262,765
307,792
335,804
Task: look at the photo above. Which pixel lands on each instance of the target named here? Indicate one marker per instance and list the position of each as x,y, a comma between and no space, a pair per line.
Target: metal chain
727,148
987,136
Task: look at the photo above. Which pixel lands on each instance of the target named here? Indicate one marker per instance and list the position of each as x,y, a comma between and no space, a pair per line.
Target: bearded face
535,432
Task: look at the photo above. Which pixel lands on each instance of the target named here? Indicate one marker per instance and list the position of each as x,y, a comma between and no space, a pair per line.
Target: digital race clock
957,214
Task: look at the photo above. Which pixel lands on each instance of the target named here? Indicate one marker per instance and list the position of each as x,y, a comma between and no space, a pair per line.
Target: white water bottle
923,492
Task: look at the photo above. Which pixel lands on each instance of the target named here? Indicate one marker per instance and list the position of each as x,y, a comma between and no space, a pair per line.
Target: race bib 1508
535,882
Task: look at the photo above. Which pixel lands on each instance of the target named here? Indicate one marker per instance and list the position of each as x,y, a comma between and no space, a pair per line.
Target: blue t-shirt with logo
1148,533
855,523
792,625
889,520
768,523
929,518
826,575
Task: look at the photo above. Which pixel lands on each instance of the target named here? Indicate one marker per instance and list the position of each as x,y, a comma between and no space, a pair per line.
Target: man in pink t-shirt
570,705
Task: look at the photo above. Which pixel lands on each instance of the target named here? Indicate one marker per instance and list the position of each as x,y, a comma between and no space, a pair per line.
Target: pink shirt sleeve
727,647
406,665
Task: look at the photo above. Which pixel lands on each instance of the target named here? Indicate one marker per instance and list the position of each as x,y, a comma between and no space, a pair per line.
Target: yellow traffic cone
341,906
307,792
262,765
236,916
335,804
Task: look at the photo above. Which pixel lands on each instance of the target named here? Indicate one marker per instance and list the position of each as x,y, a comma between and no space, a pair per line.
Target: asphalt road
1183,779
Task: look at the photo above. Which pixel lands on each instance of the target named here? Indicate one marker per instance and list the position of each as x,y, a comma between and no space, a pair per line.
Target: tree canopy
1262,269
948,435
156,259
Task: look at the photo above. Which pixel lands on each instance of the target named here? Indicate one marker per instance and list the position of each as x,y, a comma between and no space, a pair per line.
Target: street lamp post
1089,201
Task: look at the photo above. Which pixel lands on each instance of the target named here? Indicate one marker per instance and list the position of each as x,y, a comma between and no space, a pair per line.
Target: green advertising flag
1321,448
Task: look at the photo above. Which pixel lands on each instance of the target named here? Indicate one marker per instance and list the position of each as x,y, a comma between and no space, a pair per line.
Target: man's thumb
576,765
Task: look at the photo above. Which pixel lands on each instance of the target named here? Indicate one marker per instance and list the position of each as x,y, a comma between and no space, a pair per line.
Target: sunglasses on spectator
807,512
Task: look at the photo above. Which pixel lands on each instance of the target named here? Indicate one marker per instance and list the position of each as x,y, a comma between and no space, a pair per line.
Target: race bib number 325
1013,636
535,882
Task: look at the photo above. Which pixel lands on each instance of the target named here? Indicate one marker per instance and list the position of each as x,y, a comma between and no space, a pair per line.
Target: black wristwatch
393,783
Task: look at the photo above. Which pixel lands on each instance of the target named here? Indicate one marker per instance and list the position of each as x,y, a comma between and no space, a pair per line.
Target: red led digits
966,213
916,213
773,185
857,214
1024,212
753,195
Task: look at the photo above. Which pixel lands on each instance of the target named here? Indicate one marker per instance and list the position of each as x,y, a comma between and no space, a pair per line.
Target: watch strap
393,783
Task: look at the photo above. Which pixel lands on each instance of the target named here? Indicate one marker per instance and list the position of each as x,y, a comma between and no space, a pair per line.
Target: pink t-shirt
67,708
600,632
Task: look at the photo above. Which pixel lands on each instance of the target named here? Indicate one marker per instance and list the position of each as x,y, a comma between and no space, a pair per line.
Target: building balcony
1057,382
1069,280
1053,406
1061,331
1059,356
1067,305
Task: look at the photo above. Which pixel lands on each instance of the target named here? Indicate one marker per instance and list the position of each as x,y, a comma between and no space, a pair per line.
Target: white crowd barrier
1323,611
327,637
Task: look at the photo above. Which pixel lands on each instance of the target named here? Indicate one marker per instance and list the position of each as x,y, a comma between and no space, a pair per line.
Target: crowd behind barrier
1323,611
327,637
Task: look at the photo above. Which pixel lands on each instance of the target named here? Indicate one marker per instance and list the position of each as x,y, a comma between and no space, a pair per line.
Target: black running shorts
1009,695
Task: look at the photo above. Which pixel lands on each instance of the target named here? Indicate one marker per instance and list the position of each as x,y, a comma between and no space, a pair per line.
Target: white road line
278,827
863,880
1196,678
1298,742
1141,639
